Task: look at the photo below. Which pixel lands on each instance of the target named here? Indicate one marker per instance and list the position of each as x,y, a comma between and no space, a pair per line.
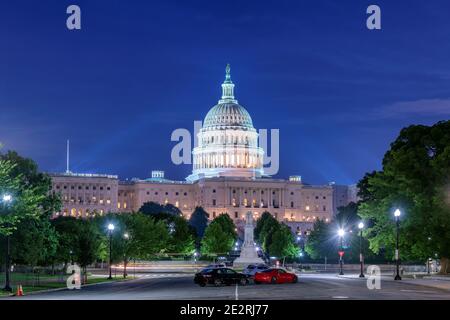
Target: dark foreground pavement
181,286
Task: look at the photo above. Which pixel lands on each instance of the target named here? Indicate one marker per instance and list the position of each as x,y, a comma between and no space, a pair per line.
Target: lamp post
126,236
397,214
341,234
110,231
7,199
361,258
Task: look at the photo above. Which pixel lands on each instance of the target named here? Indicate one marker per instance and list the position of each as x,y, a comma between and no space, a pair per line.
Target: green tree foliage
322,241
415,178
78,239
275,238
199,221
30,191
283,243
219,236
159,211
182,236
34,243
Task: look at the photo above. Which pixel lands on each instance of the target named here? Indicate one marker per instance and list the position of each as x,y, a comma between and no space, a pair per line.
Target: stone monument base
248,256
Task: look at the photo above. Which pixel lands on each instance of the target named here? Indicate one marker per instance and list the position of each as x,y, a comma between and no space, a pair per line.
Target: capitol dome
227,141
227,115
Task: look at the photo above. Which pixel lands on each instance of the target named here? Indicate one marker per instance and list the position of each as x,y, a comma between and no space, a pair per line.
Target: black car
219,276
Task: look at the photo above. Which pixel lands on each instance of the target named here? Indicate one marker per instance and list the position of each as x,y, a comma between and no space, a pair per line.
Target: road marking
420,291
339,297
236,293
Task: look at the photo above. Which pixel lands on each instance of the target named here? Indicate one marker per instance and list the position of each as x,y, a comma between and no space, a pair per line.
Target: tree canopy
414,178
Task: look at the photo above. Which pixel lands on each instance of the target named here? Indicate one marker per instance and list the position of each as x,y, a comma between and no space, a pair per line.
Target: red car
275,275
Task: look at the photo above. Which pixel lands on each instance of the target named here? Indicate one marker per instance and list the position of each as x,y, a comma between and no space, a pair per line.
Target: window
292,204
214,214
292,193
94,188
72,187
324,208
317,197
108,188
214,202
307,208
101,188
79,187
65,187
167,193
185,193
236,215
87,188
148,192
176,193
214,190
108,201
156,193
324,198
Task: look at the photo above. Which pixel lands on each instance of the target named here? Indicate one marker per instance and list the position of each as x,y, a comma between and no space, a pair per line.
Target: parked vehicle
219,276
251,269
215,265
275,275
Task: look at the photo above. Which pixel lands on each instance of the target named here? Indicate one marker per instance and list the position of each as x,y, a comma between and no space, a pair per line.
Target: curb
65,288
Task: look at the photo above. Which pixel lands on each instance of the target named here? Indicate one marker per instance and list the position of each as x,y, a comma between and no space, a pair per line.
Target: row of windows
167,193
80,187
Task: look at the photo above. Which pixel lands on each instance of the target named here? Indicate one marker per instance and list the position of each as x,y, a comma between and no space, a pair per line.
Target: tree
266,217
87,245
283,244
182,236
321,241
414,178
219,237
35,242
159,211
199,221
269,227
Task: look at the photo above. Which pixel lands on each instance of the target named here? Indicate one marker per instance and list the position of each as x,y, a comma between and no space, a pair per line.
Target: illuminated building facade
227,177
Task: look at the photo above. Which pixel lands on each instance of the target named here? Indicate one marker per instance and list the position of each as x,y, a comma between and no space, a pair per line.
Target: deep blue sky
137,70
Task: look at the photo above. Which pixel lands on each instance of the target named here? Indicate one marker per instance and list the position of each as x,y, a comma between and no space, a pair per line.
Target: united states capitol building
227,177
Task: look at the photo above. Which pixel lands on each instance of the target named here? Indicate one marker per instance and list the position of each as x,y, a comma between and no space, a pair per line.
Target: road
309,286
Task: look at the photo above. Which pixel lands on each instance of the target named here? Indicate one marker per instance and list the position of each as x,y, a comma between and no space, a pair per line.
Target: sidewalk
435,281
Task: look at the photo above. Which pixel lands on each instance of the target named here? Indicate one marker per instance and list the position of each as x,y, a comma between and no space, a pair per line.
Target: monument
248,255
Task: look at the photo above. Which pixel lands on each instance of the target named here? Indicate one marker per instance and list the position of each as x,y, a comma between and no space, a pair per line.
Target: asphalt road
181,286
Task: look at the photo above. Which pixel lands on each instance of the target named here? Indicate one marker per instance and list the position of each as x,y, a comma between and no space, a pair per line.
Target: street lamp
397,214
110,231
7,199
341,234
361,259
126,236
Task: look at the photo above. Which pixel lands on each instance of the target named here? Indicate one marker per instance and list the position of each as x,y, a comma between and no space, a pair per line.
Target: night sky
137,70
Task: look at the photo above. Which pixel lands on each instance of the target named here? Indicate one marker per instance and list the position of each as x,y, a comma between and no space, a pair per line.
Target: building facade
227,177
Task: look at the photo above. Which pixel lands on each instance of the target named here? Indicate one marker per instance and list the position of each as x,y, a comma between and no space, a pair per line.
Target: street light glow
110,227
341,232
7,198
397,213
361,225
126,235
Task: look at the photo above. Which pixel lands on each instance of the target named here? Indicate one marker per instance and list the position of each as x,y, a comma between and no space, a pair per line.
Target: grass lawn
54,282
